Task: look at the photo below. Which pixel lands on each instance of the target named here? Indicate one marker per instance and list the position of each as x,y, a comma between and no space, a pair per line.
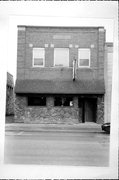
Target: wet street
73,147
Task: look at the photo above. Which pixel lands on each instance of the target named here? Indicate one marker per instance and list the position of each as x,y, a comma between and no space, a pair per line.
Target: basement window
37,101
63,101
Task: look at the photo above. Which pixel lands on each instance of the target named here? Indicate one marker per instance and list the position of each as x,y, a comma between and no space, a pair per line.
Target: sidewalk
82,127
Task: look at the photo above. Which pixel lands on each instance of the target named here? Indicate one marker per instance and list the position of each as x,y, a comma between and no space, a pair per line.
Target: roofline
73,27
62,93
9,74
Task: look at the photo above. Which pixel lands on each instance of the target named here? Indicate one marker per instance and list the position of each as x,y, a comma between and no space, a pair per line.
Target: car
106,127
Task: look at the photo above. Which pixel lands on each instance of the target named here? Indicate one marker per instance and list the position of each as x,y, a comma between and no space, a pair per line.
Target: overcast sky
54,14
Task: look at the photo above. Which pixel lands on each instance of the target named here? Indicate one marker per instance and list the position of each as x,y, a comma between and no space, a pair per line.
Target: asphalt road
57,148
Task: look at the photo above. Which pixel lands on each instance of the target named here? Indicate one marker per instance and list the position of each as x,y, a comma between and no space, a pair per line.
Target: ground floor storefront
59,108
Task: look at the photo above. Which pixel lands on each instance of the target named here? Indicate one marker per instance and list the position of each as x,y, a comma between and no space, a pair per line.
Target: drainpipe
74,69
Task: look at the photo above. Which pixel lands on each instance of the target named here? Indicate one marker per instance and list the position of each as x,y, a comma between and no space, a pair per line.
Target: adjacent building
9,95
60,75
108,80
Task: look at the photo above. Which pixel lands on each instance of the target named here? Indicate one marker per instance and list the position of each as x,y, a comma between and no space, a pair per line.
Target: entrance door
90,110
87,107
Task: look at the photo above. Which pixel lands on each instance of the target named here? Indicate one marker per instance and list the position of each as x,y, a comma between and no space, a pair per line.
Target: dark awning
60,87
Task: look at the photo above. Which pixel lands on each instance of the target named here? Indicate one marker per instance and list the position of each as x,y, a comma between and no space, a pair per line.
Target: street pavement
77,145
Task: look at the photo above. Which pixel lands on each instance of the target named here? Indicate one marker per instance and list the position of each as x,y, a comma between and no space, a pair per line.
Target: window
84,57
38,57
63,101
61,57
37,101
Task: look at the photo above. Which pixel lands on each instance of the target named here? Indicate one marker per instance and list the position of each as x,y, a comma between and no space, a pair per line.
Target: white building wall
108,80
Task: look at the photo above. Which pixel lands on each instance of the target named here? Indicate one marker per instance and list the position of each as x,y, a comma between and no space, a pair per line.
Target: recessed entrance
87,108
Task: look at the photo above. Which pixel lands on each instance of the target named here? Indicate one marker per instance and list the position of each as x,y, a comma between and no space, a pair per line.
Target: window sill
38,66
84,67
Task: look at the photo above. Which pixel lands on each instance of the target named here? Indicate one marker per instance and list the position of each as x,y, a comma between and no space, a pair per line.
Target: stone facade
52,114
48,114
20,106
100,109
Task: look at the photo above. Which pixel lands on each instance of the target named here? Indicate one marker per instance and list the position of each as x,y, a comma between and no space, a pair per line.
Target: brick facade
92,38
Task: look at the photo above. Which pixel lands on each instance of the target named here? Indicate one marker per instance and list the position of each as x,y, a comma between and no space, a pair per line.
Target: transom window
84,57
63,101
37,101
61,57
38,57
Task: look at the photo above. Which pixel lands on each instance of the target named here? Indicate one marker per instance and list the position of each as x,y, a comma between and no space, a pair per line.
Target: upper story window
83,57
38,57
61,57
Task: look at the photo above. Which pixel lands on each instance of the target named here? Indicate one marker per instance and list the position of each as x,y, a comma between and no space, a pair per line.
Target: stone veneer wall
20,107
48,114
51,114
100,110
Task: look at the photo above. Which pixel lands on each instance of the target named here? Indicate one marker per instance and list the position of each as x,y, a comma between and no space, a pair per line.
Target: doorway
88,109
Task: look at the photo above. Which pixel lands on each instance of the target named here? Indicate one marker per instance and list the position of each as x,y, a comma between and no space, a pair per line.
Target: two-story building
60,75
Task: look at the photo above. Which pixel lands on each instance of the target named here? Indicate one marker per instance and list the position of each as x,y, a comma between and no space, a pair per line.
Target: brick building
60,75
9,95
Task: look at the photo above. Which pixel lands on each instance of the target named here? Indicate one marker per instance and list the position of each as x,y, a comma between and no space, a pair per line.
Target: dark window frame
64,101
37,101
